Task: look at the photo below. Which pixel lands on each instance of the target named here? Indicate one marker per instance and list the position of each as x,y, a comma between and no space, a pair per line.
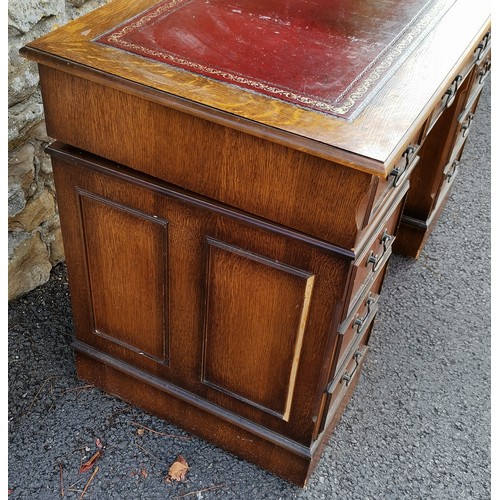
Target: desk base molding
283,457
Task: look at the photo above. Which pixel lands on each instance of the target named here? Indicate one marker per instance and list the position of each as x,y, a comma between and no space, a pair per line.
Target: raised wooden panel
256,313
126,255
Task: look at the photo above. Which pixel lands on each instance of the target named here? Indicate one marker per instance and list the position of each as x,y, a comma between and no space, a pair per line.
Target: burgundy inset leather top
327,55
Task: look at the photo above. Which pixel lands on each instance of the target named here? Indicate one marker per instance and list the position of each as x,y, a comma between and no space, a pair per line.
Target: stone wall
34,242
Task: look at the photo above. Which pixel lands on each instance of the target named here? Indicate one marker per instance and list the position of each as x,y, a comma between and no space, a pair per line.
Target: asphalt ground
417,427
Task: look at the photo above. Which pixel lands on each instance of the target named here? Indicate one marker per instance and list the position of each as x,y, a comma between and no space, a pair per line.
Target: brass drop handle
480,54
375,259
360,322
466,126
347,377
482,46
453,169
451,93
398,172
484,72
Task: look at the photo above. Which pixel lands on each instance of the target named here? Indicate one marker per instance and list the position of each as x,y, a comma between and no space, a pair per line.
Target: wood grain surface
371,142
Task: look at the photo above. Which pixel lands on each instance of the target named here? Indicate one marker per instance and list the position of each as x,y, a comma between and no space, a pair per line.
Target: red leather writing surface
327,55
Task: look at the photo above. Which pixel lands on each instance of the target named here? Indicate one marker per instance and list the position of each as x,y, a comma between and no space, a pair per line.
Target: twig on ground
37,394
61,481
79,388
89,481
72,486
150,454
177,436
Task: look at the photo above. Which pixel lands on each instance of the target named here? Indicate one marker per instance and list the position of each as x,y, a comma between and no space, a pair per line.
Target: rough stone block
22,117
29,265
24,14
52,237
38,210
21,177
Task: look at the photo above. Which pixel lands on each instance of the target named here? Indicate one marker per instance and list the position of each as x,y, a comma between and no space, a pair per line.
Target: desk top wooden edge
370,142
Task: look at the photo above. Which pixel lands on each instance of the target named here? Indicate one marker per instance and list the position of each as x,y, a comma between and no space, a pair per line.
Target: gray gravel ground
417,427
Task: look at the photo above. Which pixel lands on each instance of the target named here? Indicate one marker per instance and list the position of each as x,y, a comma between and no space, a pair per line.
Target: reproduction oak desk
231,177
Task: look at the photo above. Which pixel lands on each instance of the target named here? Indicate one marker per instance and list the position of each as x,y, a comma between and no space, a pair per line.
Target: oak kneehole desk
232,178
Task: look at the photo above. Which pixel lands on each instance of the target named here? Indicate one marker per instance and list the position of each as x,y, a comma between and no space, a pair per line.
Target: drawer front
483,50
387,188
373,260
483,69
346,375
465,123
337,390
450,173
355,326
449,97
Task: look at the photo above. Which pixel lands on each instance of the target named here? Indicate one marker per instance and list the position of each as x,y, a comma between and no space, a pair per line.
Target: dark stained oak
226,249
440,158
121,243
245,305
267,179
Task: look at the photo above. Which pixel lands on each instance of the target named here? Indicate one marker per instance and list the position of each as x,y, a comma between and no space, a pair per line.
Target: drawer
480,75
459,85
338,390
386,188
369,265
353,328
449,97
465,122
450,172
483,50
346,374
